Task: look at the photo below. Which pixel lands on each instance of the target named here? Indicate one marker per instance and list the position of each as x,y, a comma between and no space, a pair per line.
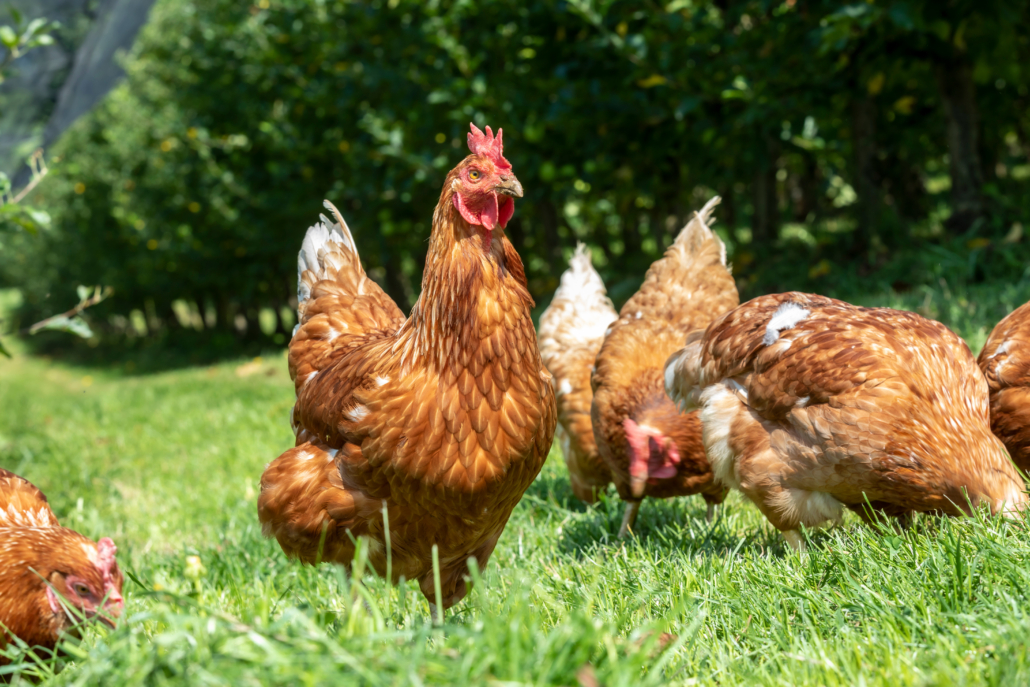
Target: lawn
167,463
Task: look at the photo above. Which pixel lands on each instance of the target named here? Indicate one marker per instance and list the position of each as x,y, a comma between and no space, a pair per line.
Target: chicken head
485,186
90,583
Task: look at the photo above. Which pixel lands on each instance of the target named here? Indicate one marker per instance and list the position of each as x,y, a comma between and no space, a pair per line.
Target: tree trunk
548,215
729,208
631,238
765,223
863,133
808,185
397,285
958,94
281,327
202,310
223,314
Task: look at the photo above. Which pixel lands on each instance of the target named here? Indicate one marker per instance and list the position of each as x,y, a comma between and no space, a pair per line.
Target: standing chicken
810,404
442,419
651,448
571,331
49,574
1005,362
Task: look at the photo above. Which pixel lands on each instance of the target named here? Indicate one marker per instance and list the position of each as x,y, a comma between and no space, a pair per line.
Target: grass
167,464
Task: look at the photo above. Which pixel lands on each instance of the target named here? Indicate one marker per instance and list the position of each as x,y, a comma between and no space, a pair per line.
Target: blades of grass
321,541
438,620
389,556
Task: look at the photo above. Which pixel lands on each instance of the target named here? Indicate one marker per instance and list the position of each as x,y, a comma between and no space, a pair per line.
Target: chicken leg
795,540
629,517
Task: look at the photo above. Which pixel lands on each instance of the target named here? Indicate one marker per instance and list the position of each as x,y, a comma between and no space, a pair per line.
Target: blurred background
874,151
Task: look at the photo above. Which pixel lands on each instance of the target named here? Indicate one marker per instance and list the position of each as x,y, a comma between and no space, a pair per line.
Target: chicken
441,420
571,331
811,405
650,447
1005,362
51,578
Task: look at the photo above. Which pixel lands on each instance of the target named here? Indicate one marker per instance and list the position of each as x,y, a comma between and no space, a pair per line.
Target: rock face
50,87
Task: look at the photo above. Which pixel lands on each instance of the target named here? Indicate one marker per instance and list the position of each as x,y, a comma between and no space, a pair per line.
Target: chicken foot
795,540
629,517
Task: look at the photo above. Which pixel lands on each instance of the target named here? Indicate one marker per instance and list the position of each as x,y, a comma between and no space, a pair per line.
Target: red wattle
506,210
487,216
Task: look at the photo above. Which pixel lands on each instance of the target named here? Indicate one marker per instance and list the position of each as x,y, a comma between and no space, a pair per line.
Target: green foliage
23,36
190,188
167,464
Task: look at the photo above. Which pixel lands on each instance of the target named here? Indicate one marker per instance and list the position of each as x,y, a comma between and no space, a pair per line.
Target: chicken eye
80,589
474,175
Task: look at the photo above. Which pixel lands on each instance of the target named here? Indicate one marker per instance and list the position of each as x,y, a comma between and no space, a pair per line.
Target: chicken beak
509,186
113,608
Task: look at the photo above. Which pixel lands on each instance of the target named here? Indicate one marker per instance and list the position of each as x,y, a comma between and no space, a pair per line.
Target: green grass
168,465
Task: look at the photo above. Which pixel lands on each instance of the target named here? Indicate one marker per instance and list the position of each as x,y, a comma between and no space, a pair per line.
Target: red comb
105,558
488,146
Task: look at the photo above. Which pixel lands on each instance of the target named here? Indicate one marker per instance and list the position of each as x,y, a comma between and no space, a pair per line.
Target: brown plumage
1005,362
810,405
650,447
22,504
443,418
46,569
571,331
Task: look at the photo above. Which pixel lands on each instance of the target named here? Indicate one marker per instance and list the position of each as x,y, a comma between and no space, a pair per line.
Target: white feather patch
357,413
785,317
1004,348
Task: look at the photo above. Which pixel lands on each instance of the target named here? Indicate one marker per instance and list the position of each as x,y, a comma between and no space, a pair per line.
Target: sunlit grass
168,464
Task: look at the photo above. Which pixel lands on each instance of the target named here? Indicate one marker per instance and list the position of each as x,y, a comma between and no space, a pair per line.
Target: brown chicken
571,331
811,405
51,578
651,448
1005,362
442,419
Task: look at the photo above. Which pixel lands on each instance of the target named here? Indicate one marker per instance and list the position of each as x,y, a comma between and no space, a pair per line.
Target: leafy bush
189,189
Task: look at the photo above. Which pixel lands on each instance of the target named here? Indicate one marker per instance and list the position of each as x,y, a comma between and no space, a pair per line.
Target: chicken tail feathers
581,280
697,235
580,311
328,253
336,301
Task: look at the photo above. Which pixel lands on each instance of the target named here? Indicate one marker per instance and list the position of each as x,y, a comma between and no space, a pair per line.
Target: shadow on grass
551,488
172,351
666,525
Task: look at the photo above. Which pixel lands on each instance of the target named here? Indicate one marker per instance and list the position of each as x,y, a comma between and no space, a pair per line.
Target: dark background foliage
855,145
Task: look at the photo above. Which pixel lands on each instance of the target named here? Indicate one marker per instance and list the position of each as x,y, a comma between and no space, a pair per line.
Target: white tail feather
580,310
314,258
697,230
